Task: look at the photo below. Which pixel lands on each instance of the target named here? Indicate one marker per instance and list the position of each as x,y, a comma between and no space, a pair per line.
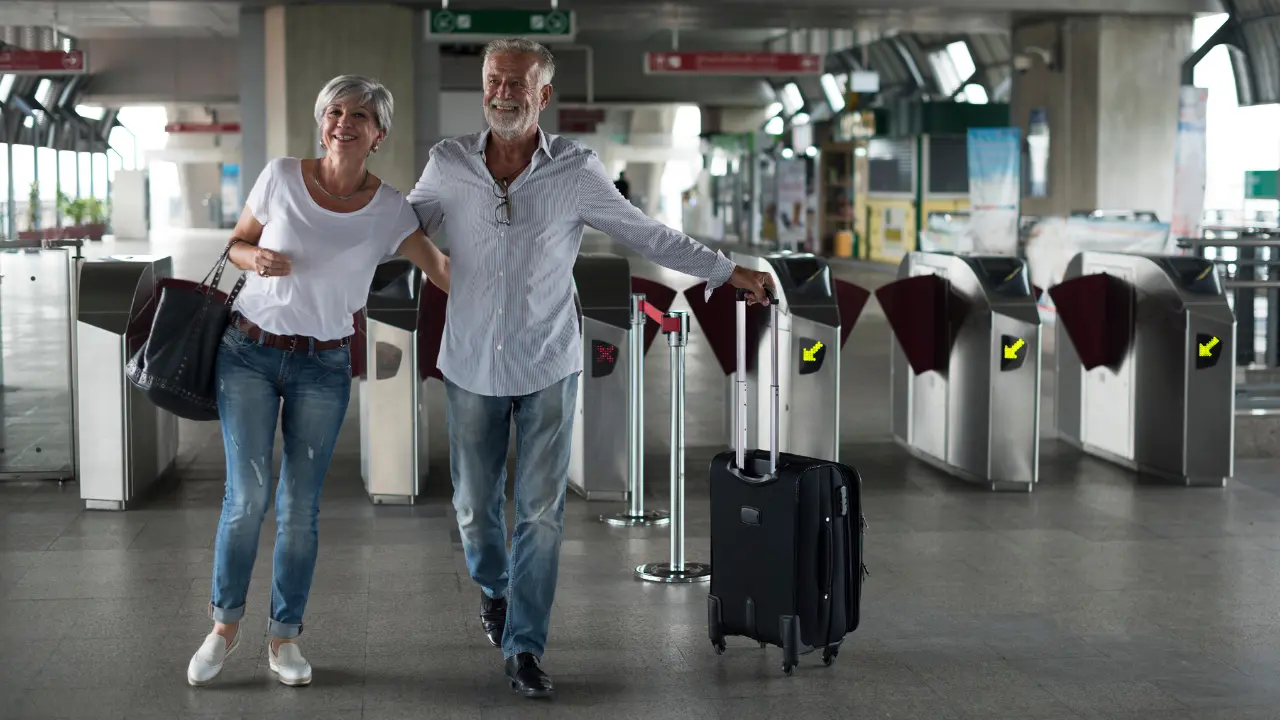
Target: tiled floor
1097,596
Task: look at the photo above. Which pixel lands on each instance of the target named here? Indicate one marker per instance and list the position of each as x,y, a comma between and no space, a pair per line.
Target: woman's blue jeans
254,382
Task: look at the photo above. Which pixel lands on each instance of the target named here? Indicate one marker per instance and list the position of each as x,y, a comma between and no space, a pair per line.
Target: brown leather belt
288,343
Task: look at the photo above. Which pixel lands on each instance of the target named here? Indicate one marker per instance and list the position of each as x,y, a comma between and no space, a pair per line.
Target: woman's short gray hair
369,93
519,45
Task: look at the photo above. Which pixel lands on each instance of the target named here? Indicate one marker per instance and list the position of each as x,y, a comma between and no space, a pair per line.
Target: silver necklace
315,175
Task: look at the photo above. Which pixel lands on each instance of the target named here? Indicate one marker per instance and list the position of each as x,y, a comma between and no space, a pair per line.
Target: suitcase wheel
719,646
764,644
829,656
787,667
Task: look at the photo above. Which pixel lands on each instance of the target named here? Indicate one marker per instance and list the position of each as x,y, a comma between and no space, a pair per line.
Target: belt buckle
293,343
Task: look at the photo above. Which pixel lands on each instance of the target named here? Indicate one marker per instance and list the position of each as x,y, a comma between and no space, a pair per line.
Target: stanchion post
677,570
636,514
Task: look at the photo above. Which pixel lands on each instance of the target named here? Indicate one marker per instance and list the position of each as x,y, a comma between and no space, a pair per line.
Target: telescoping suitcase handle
740,412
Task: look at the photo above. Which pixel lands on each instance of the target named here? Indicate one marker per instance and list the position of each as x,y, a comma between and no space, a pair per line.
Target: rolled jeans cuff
225,616
284,631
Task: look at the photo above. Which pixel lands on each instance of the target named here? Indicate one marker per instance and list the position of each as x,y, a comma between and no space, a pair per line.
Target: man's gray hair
546,61
369,93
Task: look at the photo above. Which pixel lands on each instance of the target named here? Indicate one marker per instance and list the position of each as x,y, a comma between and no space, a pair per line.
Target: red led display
603,357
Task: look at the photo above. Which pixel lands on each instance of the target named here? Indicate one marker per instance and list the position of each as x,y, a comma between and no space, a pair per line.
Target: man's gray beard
508,132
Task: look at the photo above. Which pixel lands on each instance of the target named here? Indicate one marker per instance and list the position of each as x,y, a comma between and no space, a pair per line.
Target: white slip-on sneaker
207,662
289,666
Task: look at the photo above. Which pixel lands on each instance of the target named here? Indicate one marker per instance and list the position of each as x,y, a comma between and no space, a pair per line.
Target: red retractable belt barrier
431,310
719,326
851,300
660,297
925,314
1097,311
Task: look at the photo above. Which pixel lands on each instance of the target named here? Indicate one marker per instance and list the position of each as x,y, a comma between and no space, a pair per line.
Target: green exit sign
1260,185
486,24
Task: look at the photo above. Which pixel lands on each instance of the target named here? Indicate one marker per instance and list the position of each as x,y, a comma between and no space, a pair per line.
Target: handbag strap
216,272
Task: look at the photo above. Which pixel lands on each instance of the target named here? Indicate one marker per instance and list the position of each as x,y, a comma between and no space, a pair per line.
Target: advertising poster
995,184
1189,165
230,194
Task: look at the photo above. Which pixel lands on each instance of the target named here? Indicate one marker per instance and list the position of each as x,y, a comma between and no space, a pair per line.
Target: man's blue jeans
479,428
253,382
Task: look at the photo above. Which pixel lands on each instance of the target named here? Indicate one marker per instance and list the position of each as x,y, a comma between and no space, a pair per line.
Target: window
792,100
833,88
961,59
6,86
952,66
44,92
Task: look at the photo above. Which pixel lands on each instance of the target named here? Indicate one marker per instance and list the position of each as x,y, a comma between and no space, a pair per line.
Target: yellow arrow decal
1011,351
1206,349
810,353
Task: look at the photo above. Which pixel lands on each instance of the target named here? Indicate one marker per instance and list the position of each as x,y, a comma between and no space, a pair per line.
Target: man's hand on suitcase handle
757,287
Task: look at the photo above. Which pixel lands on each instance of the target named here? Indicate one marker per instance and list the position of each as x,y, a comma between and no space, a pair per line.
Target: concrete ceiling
97,18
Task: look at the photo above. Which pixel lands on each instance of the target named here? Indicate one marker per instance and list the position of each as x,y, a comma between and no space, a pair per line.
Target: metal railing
1249,259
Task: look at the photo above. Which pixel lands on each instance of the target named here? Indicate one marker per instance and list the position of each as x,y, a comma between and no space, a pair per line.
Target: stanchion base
649,517
662,572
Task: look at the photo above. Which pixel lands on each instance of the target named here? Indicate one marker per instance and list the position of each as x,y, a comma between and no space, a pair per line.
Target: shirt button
499,347
499,273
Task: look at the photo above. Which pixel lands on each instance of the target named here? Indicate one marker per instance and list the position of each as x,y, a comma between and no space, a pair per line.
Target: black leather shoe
493,618
527,678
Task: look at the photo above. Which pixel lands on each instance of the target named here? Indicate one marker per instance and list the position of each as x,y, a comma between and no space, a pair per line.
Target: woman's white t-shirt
333,255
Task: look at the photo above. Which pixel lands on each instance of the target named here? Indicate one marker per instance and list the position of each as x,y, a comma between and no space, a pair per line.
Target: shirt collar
544,142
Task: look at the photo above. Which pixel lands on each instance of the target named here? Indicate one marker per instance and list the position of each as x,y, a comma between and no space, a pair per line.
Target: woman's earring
375,148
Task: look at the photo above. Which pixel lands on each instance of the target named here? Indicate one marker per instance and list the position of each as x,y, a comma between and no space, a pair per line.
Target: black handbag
176,367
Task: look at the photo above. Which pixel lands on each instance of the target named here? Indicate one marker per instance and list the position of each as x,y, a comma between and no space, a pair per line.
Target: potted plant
97,212
33,231
73,212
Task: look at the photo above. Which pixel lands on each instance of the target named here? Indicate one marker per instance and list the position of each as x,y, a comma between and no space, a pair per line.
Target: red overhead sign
732,63
41,62
187,127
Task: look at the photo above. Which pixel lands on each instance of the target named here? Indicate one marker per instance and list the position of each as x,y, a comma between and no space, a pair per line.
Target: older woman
311,235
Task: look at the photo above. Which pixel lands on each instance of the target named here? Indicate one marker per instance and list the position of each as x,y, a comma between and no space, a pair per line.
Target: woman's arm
245,253
419,250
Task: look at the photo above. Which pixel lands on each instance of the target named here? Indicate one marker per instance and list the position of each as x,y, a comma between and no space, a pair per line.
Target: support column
426,89
308,45
649,127
1109,86
253,97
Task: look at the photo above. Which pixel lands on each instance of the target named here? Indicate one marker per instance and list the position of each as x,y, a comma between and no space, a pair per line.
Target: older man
513,201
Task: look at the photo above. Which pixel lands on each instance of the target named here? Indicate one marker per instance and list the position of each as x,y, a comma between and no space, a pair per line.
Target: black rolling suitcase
786,539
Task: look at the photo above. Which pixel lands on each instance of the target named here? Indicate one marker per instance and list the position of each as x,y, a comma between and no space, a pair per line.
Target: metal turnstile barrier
600,458
816,313
966,366
393,384
124,444
38,284
1141,380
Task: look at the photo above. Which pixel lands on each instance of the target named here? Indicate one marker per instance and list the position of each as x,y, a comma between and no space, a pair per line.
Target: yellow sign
1206,349
810,354
1011,351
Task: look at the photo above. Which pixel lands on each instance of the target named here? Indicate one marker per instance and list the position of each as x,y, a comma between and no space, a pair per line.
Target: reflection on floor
1095,597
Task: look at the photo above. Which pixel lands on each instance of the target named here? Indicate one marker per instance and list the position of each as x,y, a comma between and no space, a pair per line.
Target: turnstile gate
809,342
601,430
125,444
393,386
1141,379
966,366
